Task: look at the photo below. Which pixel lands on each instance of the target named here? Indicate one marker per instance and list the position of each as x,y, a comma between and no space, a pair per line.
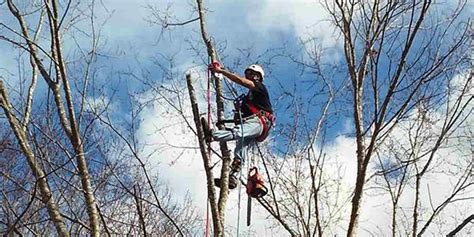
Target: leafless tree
219,199
429,132
84,165
59,84
397,53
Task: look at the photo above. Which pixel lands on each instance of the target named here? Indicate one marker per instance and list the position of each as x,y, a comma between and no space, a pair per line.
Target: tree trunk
225,152
68,121
73,130
45,192
361,156
416,206
211,191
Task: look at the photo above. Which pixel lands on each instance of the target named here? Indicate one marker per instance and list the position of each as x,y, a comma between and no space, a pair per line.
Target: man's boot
233,175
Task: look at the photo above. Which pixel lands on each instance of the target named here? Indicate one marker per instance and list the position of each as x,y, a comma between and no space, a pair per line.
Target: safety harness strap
264,116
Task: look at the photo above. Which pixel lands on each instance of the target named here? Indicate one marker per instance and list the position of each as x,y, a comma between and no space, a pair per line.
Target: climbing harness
267,119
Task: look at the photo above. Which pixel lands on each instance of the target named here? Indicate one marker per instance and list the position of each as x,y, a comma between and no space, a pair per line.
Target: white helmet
256,68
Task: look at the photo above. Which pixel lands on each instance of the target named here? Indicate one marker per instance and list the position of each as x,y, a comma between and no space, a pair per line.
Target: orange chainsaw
255,184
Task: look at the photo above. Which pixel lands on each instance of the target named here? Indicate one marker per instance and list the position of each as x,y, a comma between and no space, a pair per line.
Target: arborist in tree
253,118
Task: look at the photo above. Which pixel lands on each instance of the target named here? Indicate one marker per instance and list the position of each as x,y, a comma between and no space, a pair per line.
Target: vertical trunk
211,191
88,191
357,79
315,192
71,130
68,121
356,201
226,155
45,192
74,135
415,208
361,159
394,218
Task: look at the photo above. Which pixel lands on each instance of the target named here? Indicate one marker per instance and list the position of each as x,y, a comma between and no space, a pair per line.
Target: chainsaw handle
253,169
263,193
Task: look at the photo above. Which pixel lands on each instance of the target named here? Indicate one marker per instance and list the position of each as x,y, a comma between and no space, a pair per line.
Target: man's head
254,72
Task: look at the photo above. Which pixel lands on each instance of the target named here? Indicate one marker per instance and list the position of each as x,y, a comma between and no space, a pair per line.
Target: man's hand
215,67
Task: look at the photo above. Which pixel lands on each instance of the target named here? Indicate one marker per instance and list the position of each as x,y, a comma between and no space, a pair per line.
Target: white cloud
186,174
447,167
307,18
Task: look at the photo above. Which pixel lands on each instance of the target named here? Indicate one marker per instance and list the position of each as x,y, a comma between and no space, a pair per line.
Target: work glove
215,66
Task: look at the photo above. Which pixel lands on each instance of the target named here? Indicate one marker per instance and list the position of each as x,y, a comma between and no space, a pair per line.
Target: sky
273,23
240,24
131,44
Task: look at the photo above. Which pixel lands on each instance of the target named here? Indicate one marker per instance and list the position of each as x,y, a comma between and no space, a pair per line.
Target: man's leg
244,134
246,139
234,174
224,135
240,156
250,128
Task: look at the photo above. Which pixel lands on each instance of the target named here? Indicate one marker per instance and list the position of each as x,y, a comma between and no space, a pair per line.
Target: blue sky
265,30
130,44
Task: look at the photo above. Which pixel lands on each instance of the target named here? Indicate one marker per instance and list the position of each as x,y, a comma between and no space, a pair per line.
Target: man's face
252,75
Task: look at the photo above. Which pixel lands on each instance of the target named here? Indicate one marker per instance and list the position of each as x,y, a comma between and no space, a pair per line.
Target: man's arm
238,79
216,67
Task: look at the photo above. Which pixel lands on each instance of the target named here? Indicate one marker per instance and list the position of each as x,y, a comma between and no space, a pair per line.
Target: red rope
209,117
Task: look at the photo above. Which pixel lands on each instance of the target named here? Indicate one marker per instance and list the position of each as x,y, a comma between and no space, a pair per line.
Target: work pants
244,134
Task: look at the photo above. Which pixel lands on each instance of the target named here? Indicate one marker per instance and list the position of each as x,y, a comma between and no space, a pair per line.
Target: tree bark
226,154
211,191
45,192
68,120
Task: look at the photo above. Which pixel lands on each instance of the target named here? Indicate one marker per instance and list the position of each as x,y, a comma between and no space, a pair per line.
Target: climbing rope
240,172
243,154
209,117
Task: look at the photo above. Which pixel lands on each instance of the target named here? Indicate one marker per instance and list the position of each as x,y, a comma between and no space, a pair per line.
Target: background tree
405,72
71,136
397,54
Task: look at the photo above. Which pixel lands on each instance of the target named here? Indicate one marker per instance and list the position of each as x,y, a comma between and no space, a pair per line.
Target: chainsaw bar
249,210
